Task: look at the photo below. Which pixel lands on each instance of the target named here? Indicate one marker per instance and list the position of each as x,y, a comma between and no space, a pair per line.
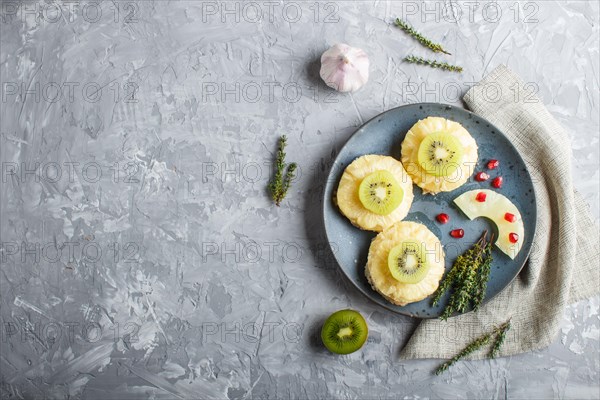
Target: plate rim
330,182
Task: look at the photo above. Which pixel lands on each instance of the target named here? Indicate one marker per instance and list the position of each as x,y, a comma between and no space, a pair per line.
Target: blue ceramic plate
383,135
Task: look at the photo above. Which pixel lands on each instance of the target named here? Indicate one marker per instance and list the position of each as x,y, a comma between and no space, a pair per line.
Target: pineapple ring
410,152
379,275
347,192
495,208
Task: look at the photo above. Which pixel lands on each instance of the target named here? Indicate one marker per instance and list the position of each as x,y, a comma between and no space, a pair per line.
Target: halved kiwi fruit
344,332
380,192
408,262
440,154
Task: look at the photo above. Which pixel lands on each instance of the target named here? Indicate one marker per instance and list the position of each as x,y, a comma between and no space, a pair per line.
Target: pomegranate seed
497,182
513,237
443,218
481,176
480,197
510,217
457,233
493,164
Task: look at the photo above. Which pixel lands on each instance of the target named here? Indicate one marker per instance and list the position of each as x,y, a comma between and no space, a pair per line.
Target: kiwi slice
440,154
408,262
344,332
380,192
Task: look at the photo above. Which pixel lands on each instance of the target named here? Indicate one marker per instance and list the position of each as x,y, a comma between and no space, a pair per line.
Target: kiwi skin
344,319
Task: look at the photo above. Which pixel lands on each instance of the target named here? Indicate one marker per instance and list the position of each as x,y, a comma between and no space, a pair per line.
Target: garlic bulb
345,68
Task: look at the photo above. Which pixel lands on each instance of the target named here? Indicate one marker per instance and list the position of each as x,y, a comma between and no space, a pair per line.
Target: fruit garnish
344,332
513,237
457,233
425,248
348,196
442,218
496,208
497,182
440,154
379,192
481,176
407,262
510,217
433,166
481,196
493,164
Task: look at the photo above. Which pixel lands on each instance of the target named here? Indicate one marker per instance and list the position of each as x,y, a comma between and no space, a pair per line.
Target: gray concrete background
155,265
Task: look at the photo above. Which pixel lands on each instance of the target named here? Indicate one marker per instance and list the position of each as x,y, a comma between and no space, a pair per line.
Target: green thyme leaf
499,333
437,48
279,186
447,282
433,63
472,347
467,279
483,275
499,339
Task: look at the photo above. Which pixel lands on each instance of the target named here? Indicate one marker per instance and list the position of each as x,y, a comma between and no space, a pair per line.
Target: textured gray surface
175,277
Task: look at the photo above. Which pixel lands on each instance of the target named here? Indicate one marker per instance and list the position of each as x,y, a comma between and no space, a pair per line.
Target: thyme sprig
499,339
433,63
437,48
446,283
467,278
281,183
471,347
483,276
498,332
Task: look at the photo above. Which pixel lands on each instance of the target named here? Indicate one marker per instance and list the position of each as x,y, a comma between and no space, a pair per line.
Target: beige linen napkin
564,263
